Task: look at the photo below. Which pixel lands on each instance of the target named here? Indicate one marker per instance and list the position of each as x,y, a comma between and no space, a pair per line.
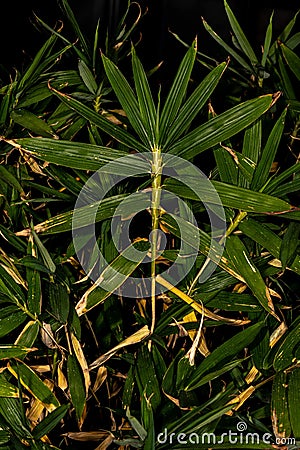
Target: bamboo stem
155,212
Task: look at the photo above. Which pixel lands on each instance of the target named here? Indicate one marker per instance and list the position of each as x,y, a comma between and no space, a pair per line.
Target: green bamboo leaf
229,301
146,377
12,240
251,148
292,60
193,104
223,44
127,99
50,422
87,77
227,169
285,355
64,222
246,268
70,154
288,29
287,84
149,423
10,179
34,69
5,103
34,295
59,301
293,41
33,384
268,154
177,92
287,188
277,182
76,27
12,413
289,244
267,42
261,234
33,123
279,406
80,54
241,38
294,400
237,197
221,127
76,386
11,318
224,353
44,253
100,121
113,276
14,351
145,99
28,335
190,234
7,389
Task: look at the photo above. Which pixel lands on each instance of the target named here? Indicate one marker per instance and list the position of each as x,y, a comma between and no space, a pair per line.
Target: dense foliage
87,366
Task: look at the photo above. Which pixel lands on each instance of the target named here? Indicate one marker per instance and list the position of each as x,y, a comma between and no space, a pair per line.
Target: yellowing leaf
139,336
82,361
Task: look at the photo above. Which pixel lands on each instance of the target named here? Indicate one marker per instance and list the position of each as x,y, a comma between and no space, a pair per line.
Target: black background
19,39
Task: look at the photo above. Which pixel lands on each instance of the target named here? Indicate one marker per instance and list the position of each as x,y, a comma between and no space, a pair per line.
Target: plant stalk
155,213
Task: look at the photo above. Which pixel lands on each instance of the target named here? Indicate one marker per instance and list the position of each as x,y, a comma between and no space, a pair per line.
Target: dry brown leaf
101,377
87,436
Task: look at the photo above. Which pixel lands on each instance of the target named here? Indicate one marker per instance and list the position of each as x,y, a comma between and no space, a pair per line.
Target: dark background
19,40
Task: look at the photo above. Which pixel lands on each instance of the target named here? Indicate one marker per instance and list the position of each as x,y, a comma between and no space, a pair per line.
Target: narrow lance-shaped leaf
67,153
33,69
241,38
34,384
76,386
294,400
286,353
193,104
11,318
223,44
251,148
10,179
33,123
279,404
76,27
87,77
222,127
263,168
242,261
289,244
224,353
237,198
113,276
100,121
14,351
267,42
127,99
144,95
177,92
292,60
50,421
